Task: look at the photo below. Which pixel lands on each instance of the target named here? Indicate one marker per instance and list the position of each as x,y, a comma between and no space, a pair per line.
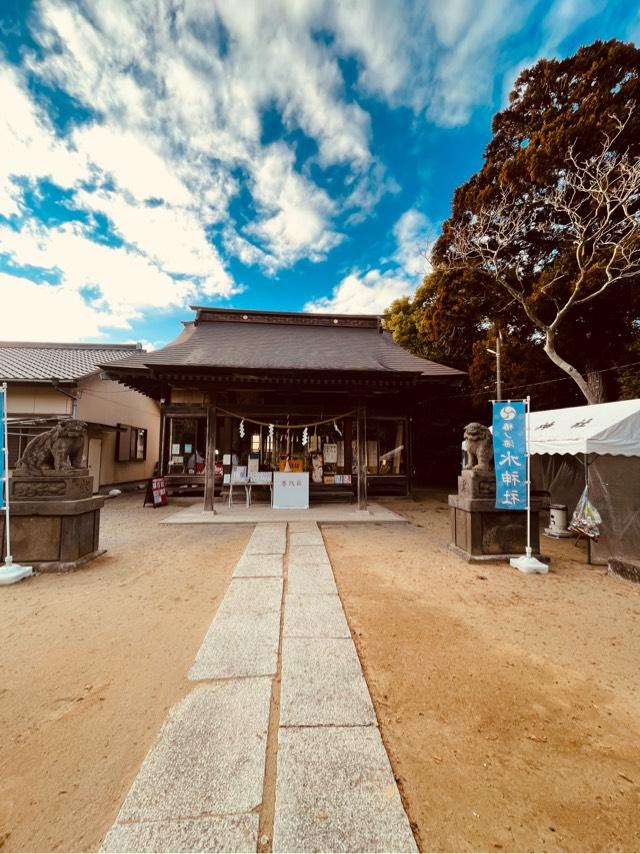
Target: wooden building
329,394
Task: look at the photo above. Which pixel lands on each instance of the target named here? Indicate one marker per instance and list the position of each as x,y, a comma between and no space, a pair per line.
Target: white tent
602,428
599,445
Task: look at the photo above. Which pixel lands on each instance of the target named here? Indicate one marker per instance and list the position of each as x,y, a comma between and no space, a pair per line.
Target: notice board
291,490
156,494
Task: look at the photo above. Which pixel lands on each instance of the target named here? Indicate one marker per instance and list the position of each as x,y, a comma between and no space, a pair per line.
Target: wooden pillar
210,456
163,428
348,447
409,454
362,474
364,455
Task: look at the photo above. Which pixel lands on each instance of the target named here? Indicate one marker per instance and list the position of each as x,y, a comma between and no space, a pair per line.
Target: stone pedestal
55,520
480,531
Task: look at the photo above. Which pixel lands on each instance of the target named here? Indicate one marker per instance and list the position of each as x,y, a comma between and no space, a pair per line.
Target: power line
529,385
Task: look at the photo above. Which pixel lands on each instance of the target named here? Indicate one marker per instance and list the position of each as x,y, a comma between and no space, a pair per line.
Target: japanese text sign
510,454
291,490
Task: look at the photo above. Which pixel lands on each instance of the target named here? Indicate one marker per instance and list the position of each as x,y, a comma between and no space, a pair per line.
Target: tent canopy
601,428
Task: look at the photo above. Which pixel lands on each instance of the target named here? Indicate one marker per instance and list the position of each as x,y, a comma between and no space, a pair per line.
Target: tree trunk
574,373
595,381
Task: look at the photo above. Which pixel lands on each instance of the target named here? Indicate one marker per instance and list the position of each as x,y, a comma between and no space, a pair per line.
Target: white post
10,572
528,401
5,485
526,562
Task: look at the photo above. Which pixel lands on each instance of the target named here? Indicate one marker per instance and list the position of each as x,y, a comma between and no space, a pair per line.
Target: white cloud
29,146
132,164
46,313
172,238
178,120
294,211
414,236
120,282
374,291
178,93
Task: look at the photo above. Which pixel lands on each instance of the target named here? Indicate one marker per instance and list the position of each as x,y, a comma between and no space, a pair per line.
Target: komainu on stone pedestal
58,449
478,444
479,530
55,518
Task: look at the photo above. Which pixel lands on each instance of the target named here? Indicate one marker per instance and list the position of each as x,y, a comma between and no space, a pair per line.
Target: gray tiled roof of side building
34,362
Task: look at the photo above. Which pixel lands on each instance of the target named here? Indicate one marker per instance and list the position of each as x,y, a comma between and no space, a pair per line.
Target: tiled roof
265,341
28,362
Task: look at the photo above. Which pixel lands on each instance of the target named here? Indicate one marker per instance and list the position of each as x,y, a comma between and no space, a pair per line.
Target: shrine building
247,394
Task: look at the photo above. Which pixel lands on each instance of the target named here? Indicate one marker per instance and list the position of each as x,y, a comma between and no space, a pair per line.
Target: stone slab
306,538
259,566
336,792
310,580
325,513
243,638
268,539
323,684
310,554
314,617
215,833
209,757
300,526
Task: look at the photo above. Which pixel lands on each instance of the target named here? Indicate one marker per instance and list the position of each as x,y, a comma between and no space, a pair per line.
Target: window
131,444
18,438
186,445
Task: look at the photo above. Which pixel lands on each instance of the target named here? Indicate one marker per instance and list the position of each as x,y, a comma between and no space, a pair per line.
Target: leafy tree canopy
555,107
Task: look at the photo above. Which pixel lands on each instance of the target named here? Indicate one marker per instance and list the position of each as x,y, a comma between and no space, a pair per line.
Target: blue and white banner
510,454
3,433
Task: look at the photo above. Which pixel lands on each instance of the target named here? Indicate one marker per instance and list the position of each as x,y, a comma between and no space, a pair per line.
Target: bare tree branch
592,212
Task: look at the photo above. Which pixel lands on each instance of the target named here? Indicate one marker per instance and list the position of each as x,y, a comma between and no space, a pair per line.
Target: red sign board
156,492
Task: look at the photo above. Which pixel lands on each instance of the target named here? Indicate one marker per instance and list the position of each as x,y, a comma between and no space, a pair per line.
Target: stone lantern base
55,520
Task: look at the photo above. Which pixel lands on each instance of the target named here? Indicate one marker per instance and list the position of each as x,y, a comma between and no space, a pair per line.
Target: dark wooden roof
40,363
236,340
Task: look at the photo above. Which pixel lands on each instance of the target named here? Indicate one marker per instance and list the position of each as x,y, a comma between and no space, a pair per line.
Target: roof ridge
58,345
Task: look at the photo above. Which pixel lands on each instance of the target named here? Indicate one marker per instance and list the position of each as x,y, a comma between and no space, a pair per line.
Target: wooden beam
210,456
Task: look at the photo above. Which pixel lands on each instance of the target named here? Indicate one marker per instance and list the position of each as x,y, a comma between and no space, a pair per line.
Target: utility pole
496,353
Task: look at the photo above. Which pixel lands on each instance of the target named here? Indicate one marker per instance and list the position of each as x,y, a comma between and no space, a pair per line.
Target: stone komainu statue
58,449
478,447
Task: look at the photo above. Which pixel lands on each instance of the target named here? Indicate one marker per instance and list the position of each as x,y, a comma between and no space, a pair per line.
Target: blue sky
290,154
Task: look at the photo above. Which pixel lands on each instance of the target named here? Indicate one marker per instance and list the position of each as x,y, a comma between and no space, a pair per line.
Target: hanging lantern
241,430
305,437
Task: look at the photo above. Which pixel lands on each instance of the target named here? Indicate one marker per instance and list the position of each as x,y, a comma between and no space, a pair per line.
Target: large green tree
543,242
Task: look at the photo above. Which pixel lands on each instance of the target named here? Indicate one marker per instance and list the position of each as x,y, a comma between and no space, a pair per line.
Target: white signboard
291,490
330,453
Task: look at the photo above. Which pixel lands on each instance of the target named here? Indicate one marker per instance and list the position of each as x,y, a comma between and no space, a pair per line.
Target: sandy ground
510,704
91,661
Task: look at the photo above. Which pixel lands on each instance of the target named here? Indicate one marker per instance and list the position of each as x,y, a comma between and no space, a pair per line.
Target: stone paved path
277,675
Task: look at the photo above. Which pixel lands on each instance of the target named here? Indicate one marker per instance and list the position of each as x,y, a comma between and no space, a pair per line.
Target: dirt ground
91,661
509,704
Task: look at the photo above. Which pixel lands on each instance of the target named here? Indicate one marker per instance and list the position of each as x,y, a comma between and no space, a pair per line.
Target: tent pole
528,445
585,458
